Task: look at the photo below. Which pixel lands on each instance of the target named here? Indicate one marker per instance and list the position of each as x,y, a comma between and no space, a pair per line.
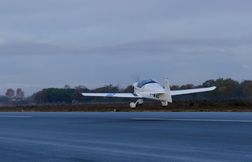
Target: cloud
32,48
246,67
147,47
56,42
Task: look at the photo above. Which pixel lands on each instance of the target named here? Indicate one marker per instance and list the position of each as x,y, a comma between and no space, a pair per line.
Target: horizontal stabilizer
122,95
189,91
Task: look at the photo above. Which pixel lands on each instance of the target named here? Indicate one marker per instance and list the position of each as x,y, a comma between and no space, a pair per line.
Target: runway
126,137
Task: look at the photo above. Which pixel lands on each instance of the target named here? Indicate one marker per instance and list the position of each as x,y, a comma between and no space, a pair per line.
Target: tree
227,87
209,83
4,99
67,86
107,89
187,86
246,89
129,89
175,87
54,95
81,89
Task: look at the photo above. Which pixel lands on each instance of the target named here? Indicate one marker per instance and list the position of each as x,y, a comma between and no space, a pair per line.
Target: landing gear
134,104
164,103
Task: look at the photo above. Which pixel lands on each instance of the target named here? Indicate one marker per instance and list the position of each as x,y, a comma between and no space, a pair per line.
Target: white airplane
150,89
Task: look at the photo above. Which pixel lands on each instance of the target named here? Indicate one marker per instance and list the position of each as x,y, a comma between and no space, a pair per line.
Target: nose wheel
134,104
164,103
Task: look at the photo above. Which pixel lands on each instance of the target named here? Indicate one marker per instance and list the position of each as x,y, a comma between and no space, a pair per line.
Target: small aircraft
150,89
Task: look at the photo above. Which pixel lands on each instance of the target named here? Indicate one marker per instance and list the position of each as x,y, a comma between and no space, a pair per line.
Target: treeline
73,95
227,89
3,99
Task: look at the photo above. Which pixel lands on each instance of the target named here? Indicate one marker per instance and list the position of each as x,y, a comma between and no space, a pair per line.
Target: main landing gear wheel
134,104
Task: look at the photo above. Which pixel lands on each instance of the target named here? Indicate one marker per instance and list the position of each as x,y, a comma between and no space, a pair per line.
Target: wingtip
213,88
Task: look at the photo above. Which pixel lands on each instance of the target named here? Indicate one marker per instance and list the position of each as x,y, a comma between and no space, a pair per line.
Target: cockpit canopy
142,83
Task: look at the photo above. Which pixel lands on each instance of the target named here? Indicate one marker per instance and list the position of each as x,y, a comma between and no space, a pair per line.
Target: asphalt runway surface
141,137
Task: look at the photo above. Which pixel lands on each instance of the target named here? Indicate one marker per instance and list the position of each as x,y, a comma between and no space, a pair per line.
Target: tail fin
168,91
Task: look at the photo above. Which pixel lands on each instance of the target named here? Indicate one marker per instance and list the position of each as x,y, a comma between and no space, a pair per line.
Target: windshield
144,82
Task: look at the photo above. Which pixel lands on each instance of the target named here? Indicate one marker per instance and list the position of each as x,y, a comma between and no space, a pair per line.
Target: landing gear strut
134,104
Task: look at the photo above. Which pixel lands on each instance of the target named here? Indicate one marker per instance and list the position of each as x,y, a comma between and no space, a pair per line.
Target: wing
189,91
121,95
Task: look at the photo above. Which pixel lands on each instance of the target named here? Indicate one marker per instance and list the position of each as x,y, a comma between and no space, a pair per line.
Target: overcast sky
50,43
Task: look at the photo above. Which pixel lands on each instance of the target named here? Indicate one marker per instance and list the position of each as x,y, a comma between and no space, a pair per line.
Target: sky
51,43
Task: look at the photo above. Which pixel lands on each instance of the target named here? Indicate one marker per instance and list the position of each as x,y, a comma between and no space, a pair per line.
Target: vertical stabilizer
168,91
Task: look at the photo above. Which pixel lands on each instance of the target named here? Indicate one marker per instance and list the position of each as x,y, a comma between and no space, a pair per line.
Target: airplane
151,89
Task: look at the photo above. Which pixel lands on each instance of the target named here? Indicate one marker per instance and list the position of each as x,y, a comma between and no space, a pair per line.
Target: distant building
19,93
10,93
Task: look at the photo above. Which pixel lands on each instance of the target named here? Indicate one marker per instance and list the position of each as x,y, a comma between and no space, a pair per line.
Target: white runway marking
195,120
14,116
